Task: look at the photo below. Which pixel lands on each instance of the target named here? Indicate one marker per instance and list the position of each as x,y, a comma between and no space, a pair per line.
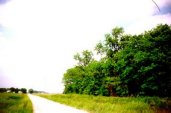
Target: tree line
13,90
19,90
129,65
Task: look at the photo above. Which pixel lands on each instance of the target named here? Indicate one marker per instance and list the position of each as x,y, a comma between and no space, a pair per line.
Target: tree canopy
129,65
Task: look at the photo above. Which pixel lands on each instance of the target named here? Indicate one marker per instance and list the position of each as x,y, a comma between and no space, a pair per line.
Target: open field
15,103
100,104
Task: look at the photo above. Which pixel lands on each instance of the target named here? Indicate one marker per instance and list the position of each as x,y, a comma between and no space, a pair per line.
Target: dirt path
42,105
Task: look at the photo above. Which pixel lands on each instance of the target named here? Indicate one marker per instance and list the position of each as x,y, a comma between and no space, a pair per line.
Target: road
42,105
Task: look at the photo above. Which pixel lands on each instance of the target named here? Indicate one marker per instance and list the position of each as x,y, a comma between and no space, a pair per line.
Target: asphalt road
42,105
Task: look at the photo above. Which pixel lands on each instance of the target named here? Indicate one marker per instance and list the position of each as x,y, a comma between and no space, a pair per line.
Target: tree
72,79
23,90
2,90
131,65
30,91
85,58
16,90
12,89
144,64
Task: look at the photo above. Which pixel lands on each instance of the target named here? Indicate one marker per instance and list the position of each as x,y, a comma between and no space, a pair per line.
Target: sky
38,38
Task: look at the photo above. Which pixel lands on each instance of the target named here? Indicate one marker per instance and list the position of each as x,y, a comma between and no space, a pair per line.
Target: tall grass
100,104
15,103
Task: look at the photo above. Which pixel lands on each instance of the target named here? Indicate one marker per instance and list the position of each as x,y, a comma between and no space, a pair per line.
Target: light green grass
15,103
101,104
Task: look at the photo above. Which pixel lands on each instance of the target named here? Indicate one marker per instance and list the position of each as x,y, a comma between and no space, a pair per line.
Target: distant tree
16,90
2,90
12,89
30,90
23,90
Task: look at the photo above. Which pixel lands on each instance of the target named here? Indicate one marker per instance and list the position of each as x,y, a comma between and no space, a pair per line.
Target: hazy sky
38,38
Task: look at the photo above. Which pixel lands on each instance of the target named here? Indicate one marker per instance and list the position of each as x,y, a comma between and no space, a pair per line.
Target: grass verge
15,103
101,104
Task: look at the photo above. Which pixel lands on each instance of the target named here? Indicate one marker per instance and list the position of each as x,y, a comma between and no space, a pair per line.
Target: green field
15,103
101,104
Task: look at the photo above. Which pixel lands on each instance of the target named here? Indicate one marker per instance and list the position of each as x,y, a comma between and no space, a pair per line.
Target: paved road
42,105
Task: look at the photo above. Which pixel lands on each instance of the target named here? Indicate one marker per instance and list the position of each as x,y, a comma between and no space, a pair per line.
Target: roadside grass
15,103
101,104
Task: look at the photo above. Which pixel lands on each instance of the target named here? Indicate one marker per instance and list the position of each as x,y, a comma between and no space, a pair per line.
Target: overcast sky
38,38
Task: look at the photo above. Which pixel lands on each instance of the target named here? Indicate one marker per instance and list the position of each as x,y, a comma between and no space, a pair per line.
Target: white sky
41,36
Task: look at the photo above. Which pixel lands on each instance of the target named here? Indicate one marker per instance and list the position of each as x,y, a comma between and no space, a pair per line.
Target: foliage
30,90
15,103
23,90
85,59
144,63
129,65
13,90
2,90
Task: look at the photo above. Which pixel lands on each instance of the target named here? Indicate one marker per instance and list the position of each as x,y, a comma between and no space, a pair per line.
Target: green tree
23,90
72,79
144,64
16,90
2,90
129,65
12,89
30,91
85,58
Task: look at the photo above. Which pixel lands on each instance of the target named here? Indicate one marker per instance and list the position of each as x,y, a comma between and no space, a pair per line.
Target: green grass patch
15,103
101,104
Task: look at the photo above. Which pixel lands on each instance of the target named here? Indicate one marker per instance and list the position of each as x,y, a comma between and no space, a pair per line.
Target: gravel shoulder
42,105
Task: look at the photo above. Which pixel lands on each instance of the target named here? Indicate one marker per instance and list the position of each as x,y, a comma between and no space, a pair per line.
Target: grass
15,103
101,104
